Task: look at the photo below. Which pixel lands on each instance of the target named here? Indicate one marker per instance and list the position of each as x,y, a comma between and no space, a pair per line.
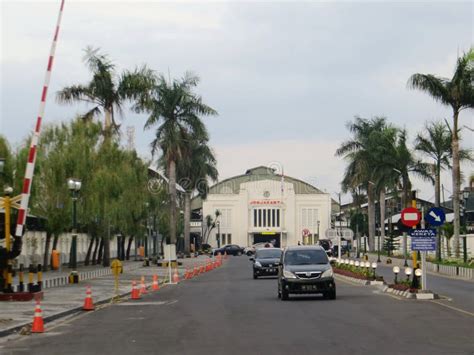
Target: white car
251,250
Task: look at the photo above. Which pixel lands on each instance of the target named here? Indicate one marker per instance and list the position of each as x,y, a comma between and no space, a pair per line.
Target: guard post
117,269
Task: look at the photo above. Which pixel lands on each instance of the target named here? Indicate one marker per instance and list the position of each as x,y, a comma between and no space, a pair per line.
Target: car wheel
285,295
255,276
249,253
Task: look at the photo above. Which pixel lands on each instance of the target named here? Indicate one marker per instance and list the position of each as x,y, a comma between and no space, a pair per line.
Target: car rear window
305,257
268,253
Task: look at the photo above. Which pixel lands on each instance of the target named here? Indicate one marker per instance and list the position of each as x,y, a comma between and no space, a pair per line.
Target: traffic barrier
143,290
135,291
176,276
88,304
38,324
155,286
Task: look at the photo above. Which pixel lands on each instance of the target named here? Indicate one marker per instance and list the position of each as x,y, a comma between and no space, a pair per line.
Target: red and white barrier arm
30,165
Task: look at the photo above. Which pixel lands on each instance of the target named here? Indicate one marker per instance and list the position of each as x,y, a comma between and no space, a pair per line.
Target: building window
229,238
278,218
254,217
273,218
264,212
223,239
259,218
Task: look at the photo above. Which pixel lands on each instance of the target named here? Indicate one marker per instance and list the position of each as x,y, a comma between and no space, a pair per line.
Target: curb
427,295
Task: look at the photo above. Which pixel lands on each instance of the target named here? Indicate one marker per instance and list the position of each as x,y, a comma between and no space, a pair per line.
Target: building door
267,238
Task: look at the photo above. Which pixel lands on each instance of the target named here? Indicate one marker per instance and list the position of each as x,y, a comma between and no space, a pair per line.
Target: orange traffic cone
155,286
189,274
143,290
201,269
225,255
175,276
196,271
88,304
38,324
135,291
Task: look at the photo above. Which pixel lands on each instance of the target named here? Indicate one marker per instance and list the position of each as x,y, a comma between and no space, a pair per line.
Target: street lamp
396,270
318,223
2,164
418,274
74,186
218,234
374,267
408,272
464,220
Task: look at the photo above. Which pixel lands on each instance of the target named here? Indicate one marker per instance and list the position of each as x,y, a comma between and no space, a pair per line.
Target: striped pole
30,165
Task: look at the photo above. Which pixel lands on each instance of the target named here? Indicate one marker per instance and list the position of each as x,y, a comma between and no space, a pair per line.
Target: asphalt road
460,292
227,312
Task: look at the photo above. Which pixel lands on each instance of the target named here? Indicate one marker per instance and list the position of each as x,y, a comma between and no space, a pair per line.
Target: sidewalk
61,301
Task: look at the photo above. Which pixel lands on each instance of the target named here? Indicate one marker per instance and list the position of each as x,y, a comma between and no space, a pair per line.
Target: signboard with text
423,239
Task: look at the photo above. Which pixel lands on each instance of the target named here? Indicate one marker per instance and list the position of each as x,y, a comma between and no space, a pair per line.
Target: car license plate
271,270
309,287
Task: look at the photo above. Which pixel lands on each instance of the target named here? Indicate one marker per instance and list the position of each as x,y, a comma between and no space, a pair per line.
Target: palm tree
198,165
457,92
177,111
437,144
405,164
359,152
107,91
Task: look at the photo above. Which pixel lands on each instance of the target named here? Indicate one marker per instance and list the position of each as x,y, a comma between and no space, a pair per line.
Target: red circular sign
411,216
305,232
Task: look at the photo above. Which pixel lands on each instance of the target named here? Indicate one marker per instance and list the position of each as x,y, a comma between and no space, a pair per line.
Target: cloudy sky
285,77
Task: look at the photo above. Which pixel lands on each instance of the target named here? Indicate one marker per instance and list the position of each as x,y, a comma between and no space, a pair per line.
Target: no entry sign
411,216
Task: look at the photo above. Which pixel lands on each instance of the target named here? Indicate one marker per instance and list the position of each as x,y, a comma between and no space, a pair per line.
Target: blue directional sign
435,217
423,239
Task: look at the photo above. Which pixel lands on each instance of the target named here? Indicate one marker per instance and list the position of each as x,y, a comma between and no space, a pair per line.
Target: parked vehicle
305,270
251,250
265,262
230,249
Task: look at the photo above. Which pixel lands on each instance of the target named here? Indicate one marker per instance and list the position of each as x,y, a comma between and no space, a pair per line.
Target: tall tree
108,91
177,112
194,172
437,144
359,153
457,92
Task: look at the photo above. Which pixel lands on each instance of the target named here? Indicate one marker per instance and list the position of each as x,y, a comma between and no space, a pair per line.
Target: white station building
262,206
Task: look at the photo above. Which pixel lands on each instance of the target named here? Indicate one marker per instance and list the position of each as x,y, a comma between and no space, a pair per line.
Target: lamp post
465,196
418,273
408,272
74,186
396,270
218,234
374,267
318,223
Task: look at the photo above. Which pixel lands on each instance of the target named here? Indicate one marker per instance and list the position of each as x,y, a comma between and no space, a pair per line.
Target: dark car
265,262
230,249
305,270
